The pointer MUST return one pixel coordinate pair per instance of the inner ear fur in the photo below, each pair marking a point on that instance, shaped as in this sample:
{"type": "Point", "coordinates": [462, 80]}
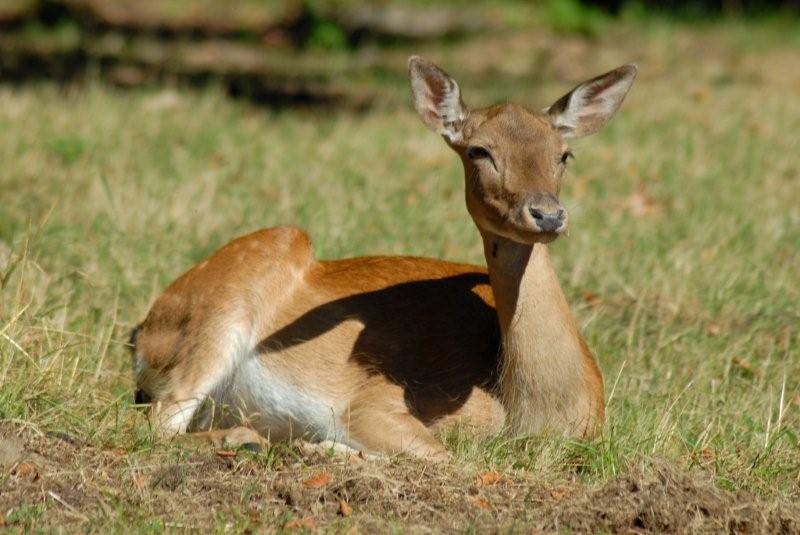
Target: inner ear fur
{"type": "Point", "coordinates": [437, 98]}
{"type": "Point", "coordinates": [589, 106]}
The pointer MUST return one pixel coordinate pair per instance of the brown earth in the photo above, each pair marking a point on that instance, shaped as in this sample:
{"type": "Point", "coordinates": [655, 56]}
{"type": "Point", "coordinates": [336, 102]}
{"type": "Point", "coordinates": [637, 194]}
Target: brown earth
{"type": "Point", "coordinates": [73, 482]}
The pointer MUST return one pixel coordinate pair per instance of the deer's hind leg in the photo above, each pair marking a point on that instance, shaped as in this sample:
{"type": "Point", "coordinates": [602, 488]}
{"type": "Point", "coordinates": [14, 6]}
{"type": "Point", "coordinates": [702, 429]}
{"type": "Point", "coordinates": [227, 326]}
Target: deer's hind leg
{"type": "Point", "coordinates": [178, 372]}
{"type": "Point", "coordinates": [188, 384]}
{"type": "Point", "coordinates": [206, 323]}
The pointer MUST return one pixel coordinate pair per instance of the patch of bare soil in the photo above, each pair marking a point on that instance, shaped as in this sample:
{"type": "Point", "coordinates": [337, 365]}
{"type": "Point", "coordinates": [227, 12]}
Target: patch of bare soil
{"type": "Point", "coordinates": [85, 487]}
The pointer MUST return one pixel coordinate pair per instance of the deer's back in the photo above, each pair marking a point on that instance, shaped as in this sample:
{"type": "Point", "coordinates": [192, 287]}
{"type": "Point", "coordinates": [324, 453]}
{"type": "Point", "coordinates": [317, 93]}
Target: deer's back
{"type": "Point", "coordinates": [331, 327]}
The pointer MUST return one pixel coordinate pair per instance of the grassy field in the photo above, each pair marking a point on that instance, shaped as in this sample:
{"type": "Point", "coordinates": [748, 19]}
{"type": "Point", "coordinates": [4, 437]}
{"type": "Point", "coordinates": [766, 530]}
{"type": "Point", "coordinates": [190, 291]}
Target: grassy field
{"type": "Point", "coordinates": [683, 268]}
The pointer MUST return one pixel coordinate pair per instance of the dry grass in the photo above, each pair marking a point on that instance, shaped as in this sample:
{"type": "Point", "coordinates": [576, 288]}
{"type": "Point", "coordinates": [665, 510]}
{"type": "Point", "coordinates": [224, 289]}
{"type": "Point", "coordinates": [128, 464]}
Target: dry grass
{"type": "Point", "coordinates": [682, 268]}
{"type": "Point", "coordinates": [99, 489]}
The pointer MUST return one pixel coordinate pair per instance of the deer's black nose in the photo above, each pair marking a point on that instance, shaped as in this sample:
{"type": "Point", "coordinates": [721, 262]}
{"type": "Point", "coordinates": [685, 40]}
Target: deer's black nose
{"type": "Point", "coordinates": [548, 221]}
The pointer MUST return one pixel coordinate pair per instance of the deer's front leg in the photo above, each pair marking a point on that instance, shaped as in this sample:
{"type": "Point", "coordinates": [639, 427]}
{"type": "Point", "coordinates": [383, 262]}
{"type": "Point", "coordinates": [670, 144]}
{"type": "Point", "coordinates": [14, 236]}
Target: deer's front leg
{"type": "Point", "coordinates": [172, 419]}
{"type": "Point", "coordinates": [379, 421]}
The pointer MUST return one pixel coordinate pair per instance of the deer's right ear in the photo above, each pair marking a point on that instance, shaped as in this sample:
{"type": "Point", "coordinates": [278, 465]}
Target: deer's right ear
{"type": "Point", "coordinates": [437, 98]}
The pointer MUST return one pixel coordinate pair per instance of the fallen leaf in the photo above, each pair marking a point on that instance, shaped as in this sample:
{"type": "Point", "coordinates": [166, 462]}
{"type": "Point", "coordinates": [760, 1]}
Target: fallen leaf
{"type": "Point", "coordinates": [640, 204]}
{"type": "Point", "coordinates": [708, 254]}
{"type": "Point", "coordinates": [744, 365]}
{"type": "Point", "coordinates": [559, 494]}
{"type": "Point", "coordinates": [487, 479]}
{"type": "Point", "coordinates": [796, 400]}
{"type": "Point", "coordinates": [299, 523]}
{"type": "Point", "coordinates": [225, 454]}
{"type": "Point", "coordinates": [319, 480]}
{"type": "Point", "coordinates": [713, 329]}
{"type": "Point", "coordinates": [27, 470]}
{"type": "Point", "coordinates": [755, 127]}
{"type": "Point", "coordinates": [591, 298]}
{"type": "Point", "coordinates": [217, 159]}
{"type": "Point", "coordinates": [12, 451]}
{"type": "Point", "coordinates": [701, 94]}
{"type": "Point", "coordinates": [345, 509]}
{"type": "Point", "coordinates": [479, 502]}
{"type": "Point", "coordinates": [2, 520]}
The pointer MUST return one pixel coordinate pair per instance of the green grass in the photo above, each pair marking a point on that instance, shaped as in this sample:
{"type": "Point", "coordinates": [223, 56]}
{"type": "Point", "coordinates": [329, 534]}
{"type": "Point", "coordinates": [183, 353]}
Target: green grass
{"type": "Point", "coordinates": [682, 267]}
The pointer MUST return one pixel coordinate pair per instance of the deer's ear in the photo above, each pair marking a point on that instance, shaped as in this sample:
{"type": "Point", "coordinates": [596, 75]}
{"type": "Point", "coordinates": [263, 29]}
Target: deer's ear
{"type": "Point", "coordinates": [437, 98]}
{"type": "Point", "coordinates": [587, 108]}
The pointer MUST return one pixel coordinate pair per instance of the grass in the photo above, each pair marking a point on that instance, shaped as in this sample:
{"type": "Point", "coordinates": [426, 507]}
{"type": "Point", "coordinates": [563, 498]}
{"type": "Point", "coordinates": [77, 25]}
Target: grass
{"type": "Point", "coordinates": [682, 267]}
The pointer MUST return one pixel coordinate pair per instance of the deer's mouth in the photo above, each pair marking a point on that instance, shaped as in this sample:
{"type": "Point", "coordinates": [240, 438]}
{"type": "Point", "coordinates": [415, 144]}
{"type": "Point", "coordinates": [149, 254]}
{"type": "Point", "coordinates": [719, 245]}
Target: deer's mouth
{"type": "Point", "coordinates": [528, 234]}
{"type": "Point", "coordinates": [541, 237]}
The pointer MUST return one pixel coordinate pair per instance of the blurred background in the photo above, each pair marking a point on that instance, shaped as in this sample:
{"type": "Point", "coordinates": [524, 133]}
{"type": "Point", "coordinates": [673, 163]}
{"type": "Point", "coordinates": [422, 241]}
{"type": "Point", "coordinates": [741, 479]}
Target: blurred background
{"type": "Point", "coordinates": [301, 52]}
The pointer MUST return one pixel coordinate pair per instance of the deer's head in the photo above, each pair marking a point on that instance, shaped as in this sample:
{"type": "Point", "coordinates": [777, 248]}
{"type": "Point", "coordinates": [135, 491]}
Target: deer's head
{"type": "Point", "coordinates": [514, 158]}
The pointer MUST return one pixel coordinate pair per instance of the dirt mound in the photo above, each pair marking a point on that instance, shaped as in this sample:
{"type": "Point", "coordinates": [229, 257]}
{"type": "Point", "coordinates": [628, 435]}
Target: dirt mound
{"type": "Point", "coordinates": [659, 498]}
{"type": "Point", "coordinates": [53, 479]}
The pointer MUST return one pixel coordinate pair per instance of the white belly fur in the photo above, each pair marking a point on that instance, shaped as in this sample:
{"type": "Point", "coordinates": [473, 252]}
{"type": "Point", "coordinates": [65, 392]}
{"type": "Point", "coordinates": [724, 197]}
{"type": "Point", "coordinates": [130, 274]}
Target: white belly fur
{"type": "Point", "coordinates": [277, 408]}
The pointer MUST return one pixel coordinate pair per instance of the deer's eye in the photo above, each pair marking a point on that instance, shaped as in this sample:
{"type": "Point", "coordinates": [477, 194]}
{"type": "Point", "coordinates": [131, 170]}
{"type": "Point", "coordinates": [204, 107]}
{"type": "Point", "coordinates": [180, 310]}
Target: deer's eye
{"type": "Point", "coordinates": [478, 153]}
{"type": "Point", "coordinates": [566, 156]}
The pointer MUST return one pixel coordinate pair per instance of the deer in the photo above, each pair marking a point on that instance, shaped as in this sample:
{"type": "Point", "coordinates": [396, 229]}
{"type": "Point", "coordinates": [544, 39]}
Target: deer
{"type": "Point", "coordinates": [262, 341]}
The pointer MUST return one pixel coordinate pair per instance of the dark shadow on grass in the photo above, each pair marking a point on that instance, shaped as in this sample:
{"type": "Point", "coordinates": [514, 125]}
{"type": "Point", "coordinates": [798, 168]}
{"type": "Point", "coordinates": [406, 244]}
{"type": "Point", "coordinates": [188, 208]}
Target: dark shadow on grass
{"type": "Point", "coordinates": [264, 89]}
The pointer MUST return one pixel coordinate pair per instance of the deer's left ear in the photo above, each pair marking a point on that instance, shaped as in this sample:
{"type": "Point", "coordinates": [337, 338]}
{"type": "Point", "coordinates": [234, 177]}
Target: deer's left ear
{"type": "Point", "coordinates": [587, 108]}
{"type": "Point", "coordinates": [437, 98]}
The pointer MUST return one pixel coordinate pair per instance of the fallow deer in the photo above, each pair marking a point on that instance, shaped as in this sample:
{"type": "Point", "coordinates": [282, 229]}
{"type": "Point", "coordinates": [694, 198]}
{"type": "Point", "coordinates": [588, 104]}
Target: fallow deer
{"type": "Point", "coordinates": [377, 353]}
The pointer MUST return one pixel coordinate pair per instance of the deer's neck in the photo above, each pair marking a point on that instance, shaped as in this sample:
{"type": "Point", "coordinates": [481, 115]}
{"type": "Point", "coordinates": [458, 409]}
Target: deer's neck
{"type": "Point", "coordinates": [549, 381]}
